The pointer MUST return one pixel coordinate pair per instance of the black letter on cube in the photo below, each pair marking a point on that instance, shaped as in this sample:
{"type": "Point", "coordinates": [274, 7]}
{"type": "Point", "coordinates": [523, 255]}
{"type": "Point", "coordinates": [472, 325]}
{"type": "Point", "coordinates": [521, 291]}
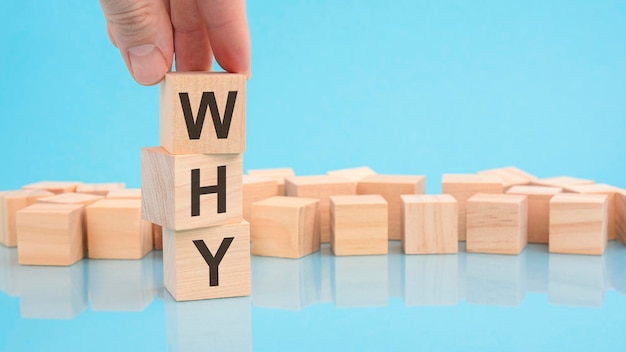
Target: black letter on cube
{"type": "Point", "coordinates": [213, 262]}
{"type": "Point", "coordinates": [197, 190]}
{"type": "Point", "coordinates": [222, 126]}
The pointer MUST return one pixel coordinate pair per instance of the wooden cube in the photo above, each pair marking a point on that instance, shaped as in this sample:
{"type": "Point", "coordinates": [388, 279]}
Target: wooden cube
{"type": "Point", "coordinates": [564, 182]}
{"type": "Point", "coordinates": [210, 262]}
{"type": "Point", "coordinates": [127, 193]}
{"type": "Point", "coordinates": [509, 176]}
{"type": "Point", "coordinates": [115, 230]}
{"type": "Point", "coordinates": [358, 225]}
{"type": "Point", "coordinates": [10, 203]}
{"type": "Point", "coordinates": [497, 223]}
{"type": "Point", "coordinates": [190, 191]}
{"type": "Point", "coordinates": [256, 189]}
{"type": "Point", "coordinates": [462, 187]}
{"type": "Point", "coordinates": [50, 234]}
{"type": "Point", "coordinates": [157, 236]}
{"type": "Point", "coordinates": [285, 227]}
{"type": "Point", "coordinates": [578, 223]}
{"type": "Point", "coordinates": [99, 189]}
{"type": "Point", "coordinates": [355, 174]}
{"type": "Point", "coordinates": [620, 215]}
{"type": "Point", "coordinates": [391, 187]}
{"type": "Point", "coordinates": [203, 113]}
{"type": "Point", "coordinates": [429, 224]}
{"type": "Point", "coordinates": [277, 174]}
{"type": "Point", "coordinates": [55, 187]}
{"type": "Point", "coordinates": [538, 209]}
{"type": "Point", "coordinates": [611, 192]}
{"type": "Point", "coordinates": [320, 187]}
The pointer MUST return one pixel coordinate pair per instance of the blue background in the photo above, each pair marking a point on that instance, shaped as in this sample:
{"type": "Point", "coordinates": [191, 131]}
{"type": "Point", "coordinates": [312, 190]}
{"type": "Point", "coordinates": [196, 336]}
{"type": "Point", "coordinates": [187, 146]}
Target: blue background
{"type": "Point", "coordinates": [403, 87]}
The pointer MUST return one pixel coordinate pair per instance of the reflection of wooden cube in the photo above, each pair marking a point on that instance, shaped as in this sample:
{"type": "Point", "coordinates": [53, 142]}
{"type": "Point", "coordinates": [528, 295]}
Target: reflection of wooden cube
{"type": "Point", "coordinates": [497, 223]}
{"type": "Point", "coordinates": [10, 203]}
{"type": "Point", "coordinates": [355, 174]}
{"type": "Point", "coordinates": [391, 187]}
{"type": "Point", "coordinates": [320, 187]}
{"type": "Point", "coordinates": [564, 182]}
{"type": "Point", "coordinates": [429, 224]}
{"type": "Point", "coordinates": [55, 187]}
{"type": "Point", "coordinates": [256, 189]}
{"type": "Point", "coordinates": [538, 209]}
{"type": "Point", "coordinates": [99, 189]}
{"type": "Point", "coordinates": [285, 227]}
{"type": "Point", "coordinates": [115, 230]}
{"type": "Point", "coordinates": [510, 176]}
{"type": "Point", "coordinates": [611, 192]}
{"type": "Point", "coordinates": [50, 234]}
{"type": "Point", "coordinates": [620, 215]}
{"type": "Point", "coordinates": [276, 174]}
{"type": "Point", "coordinates": [578, 223]}
{"type": "Point", "coordinates": [358, 225]}
{"type": "Point", "coordinates": [462, 187]}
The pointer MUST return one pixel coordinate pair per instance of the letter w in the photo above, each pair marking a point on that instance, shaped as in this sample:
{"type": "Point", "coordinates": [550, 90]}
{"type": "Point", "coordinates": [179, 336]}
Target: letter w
{"type": "Point", "coordinates": [194, 126]}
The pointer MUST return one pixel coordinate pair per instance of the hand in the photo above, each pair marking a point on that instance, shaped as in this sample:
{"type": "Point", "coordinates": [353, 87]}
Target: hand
{"type": "Point", "coordinates": [149, 32]}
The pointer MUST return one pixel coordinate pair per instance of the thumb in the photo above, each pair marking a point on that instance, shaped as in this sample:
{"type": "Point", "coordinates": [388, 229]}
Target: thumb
{"type": "Point", "coordinates": [142, 31]}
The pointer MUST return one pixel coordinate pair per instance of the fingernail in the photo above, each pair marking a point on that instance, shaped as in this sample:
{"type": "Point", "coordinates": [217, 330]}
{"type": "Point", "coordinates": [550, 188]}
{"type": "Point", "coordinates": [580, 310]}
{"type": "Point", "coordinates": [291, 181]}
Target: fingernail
{"type": "Point", "coordinates": [147, 63]}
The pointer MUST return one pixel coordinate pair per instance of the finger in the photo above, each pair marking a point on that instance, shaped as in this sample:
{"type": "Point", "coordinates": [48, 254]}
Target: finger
{"type": "Point", "coordinates": [227, 27]}
{"type": "Point", "coordinates": [191, 41]}
{"type": "Point", "coordinates": [142, 31]}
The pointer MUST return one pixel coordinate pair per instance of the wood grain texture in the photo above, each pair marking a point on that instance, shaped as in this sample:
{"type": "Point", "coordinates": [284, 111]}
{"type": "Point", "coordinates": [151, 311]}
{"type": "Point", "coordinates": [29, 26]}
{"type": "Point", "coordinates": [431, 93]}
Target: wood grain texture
{"type": "Point", "coordinates": [564, 182]}
{"type": "Point", "coordinates": [100, 189]}
{"type": "Point", "coordinates": [358, 225]}
{"type": "Point", "coordinates": [10, 203]}
{"type": "Point", "coordinates": [620, 215]}
{"type": "Point", "coordinates": [166, 188]}
{"type": "Point", "coordinates": [429, 224]}
{"type": "Point", "coordinates": [128, 193]}
{"type": "Point", "coordinates": [355, 174]}
{"type": "Point", "coordinates": [509, 176]}
{"type": "Point", "coordinates": [611, 192]}
{"type": "Point", "coordinates": [497, 223]}
{"type": "Point", "coordinates": [285, 227]}
{"type": "Point", "coordinates": [50, 234]}
{"type": "Point", "coordinates": [186, 273]}
{"type": "Point", "coordinates": [55, 187]}
{"type": "Point", "coordinates": [462, 187]}
{"type": "Point", "coordinates": [320, 187]}
{"type": "Point", "coordinates": [115, 230]}
{"type": "Point", "coordinates": [538, 210]}
{"type": "Point", "coordinates": [175, 137]}
{"type": "Point", "coordinates": [391, 187]}
{"type": "Point", "coordinates": [256, 189]}
{"type": "Point", "coordinates": [578, 223]}
{"type": "Point", "coordinates": [278, 174]}
{"type": "Point", "coordinates": [157, 237]}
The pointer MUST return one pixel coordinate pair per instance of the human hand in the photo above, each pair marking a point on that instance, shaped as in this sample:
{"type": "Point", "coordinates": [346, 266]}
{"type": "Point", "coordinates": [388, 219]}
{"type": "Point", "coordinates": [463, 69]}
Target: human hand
{"type": "Point", "coordinates": [149, 32]}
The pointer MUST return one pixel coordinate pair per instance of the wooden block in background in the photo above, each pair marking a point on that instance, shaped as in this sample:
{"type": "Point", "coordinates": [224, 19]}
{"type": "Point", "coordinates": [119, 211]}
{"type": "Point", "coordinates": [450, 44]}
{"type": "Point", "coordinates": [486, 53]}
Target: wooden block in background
{"type": "Point", "coordinates": [285, 227]}
{"type": "Point", "coordinates": [203, 113]}
{"type": "Point", "coordinates": [167, 189]}
{"type": "Point", "coordinates": [358, 225]}
{"type": "Point", "coordinates": [620, 215]}
{"type": "Point", "coordinates": [320, 187]}
{"type": "Point", "coordinates": [10, 203]}
{"type": "Point", "coordinates": [462, 187]}
{"type": "Point", "coordinates": [510, 176]}
{"type": "Point", "coordinates": [115, 230]}
{"type": "Point", "coordinates": [611, 192]}
{"type": "Point", "coordinates": [355, 174]}
{"type": "Point", "coordinates": [50, 234]}
{"type": "Point", "coordinates": [391, 187]}
{"type": "Point", "coordinates": [564, 182]}
{"type": "Point", "coordinates": [157, 237]}
{"type": "Point", "coordinates": [55, 187]}
{"type": "Point", "coordinates": [256, 189]}
{"type": "Point", "coordinates": [277, 174]}
{"type": "Point", "coordinates": [497, 223]}
{"type": "Point", "coordinates": [186, 273]}
{"type": "Point", "coordinates": [127, 193]}
{"type": "Point", "coordinates": [429, 224]}
{"type": "Point", "coordinates": [99, 189]}
{"type": "Point", "coordinates": [578, 223]}
{"type": "Point", "coordinates": [538, 209]}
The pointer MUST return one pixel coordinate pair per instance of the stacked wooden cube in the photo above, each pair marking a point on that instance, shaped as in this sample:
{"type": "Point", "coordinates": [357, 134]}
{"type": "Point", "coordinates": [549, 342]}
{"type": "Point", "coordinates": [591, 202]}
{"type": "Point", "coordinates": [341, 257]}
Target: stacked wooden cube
{"type": "Point", "coordinates": [192, 185]}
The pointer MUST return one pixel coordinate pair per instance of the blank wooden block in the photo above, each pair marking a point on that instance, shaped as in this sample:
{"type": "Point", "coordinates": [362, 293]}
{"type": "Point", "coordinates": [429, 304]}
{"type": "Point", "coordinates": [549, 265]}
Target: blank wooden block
{"type": "Point", "coordinates": [391, 187]}
{"type": "Point", "coordinates": [186, 274]}
{"type": "Point", "coordinates": [50, 234]}
{"type": "Point", "coordinates": [256, 189]}
{"type": "Point", "coordinates": [55, 187]}
{"type": "Point", "coordinates": [190, 191]}
{"type": "Point", "coordinates": [358, 225]}
{"type": "Point", "coordinates": [10, 203]}
{"type": "Point", "coordinates": [285, 227]}
{"type": "Point", "coordinates": [157, 236]}
{"type": "Point", "coordinates": [99, 189]}
{"type": "Point", "coordinates": [277, 174]}
{"type": "Point", "coordinates": [115, 230]}
{"type": "Point", "coordinates": [497, 223]}
{"type": "Point", "coordinates": [429, 224]}
{"type": "Point", "coordinates": [462, 187]}
{"type": "Point", "coordinates": [355, 174]}
{"type": "Point", "coordinates": [203, 113]}
{"type": "Point", "coordinates": [564, 182]}
{"type": "Point", "coordinates": [127, 193]}
{"type": "Point", "coordinates": [611, 192]}
{"type": "Point", "coordinates": [538, 209]}
{"type": "Point", "coordinates": [320, 187]}
{"type": "Point", "coordinates": [578, 223]}
{"type": "Point", "coordinates": [509, 176]}
{"type": "Point", "coordinates": [620, 216]}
